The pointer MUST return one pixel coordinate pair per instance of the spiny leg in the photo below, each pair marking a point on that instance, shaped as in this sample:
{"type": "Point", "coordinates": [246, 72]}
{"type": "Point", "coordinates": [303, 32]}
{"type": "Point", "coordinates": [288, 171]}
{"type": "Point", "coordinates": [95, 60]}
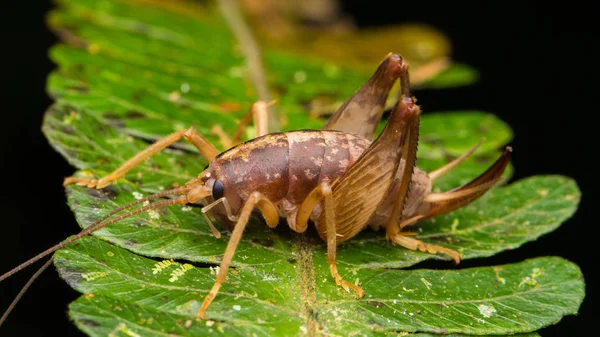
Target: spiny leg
{"type": "Point", "coordinates": [323, 193]}
{"type": "Point", "coordinates": [258, 114]}
{"type": "Point", "coordinates": [393, 227]}
{"type": "Point", "coordinates": [440, 203]}
{"type": "Point", "coordinates": [204, 146]}
{"type": "Point", "coordinates": [365, 185]}
{"type": "Point", "coordinates": [361, 113]}
{"type": "Point", "coordinates": [269, 211]}
{"type": "Point", "coordinates": [332, 244]}
{"type": "Point", "coordinates": [414, 244]}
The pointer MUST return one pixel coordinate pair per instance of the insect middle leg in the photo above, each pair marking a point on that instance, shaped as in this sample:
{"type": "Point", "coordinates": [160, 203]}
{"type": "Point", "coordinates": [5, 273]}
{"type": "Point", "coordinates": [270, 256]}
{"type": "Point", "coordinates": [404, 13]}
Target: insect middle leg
{"type": "Point", "coordinates": [258, 114]}
{"type": "Point", "coordinates": [323, 193]}
{"type": "Point", "coordinates": [271, 215]}
{"type": "Point", "coordinates": [191, 135]}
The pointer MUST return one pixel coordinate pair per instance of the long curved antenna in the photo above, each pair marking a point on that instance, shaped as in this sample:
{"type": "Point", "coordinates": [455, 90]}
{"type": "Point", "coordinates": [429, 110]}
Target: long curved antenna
{"type": "Point", "coordinates": [182, 200]}
{"type": "Point", "coordinates": [24, 290]}
{"type": "Point", "coordinates": [179, 190]}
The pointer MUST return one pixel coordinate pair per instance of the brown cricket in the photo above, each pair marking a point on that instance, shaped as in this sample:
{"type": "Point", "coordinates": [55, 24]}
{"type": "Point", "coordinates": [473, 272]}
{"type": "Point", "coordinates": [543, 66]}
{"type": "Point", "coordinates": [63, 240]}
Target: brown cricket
{"type": "Point", "coordinates": [337, 177]}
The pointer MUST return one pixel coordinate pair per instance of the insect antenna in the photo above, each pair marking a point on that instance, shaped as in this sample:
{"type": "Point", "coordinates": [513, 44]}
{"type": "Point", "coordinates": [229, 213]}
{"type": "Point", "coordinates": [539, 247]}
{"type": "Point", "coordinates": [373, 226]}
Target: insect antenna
{"type": "Point", "coordinates": [179, 190]}
{"type": "Point", "coordinates": [24, 290]}
{"type": "Point", "coordinates": [102, 222]}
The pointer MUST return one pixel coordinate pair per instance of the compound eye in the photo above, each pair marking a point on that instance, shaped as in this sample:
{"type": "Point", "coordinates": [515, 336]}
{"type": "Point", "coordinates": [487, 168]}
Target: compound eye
{"type": "Point", "coordinates": [217, 191]}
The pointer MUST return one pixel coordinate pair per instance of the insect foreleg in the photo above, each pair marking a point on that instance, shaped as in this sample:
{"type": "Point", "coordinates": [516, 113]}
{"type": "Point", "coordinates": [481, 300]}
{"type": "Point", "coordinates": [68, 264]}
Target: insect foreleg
{"type": "Point", "coordinates": [268, 210]}
{"type": "Point", "coordinates": [204, 146]}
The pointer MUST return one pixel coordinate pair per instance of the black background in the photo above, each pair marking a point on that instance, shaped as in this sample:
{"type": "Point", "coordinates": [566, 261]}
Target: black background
{"type": "Point", "coordinates": [537, 74]}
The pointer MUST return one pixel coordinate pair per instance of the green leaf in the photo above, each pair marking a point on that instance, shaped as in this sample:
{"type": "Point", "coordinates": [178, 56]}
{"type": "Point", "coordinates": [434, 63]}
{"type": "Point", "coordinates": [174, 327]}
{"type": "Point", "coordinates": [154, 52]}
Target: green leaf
{"type": "Point", "coordinates": [269, 299]}
{"type": "Point", "coordinates": [131, 73]}
{"type": "Point", "coordinates": [116, 47]}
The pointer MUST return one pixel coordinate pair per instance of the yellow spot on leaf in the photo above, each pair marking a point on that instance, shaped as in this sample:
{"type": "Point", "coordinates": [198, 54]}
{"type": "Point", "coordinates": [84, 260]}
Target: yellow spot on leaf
{"type": "Point", "coordinates": [153, 214]}
{"type": "Point", "coordinates": [111, 254]}
{"type": "Point", "coordinates": [174, 96]}
{"type": "Point", "coordinates": [454, 225]}
{"type": "Point", "coordinates": [543, 192]}
{"type": "Point", "coordinates": [70, 118]}
{"type": "Point", "coordinates": [93, 48]}
{"type": "Point", "coordinates": [160, 266]}
{"type": "Point", "coordinates": [94, 275]}
{"type": "Point", "coordinates": [300, 77]}
{"type": "Point", "coordinates": [175, 274]}
{"type": "Point", "coordinates": [214, 270]}
{"type": "Point", "coordinates": [122, 327]}
{"type": "Point", "coordinates": [531, 279]}
{"type": "Point", "coordinates": [426, 283]}
{"type": "Point", "coordinates": [500, 279]}
{"type": "Point", "coordinates": [486, 310]}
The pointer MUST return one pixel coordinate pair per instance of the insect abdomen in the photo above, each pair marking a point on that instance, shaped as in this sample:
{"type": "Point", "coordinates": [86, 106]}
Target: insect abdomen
{"type": "Point", "coordinates": [289, 164]}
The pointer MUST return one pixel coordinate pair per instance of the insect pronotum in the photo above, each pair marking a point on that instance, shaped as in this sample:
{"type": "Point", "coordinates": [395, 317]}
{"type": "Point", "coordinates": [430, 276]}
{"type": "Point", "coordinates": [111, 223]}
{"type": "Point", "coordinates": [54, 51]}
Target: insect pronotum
{"type": "Point", "coordinates": [337, 177]}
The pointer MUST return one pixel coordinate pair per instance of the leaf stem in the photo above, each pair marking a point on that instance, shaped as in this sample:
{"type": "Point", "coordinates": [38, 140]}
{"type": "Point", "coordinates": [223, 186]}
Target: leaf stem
{"type": "Point", "coordinates": [232, 14]}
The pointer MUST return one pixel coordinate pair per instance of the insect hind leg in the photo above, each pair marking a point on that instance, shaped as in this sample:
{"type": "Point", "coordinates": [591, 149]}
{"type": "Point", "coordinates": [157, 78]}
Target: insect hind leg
{"type": "Point", "coordinates": [403, 239]}
{"type": "Point", "coordinates": [440, 203]}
